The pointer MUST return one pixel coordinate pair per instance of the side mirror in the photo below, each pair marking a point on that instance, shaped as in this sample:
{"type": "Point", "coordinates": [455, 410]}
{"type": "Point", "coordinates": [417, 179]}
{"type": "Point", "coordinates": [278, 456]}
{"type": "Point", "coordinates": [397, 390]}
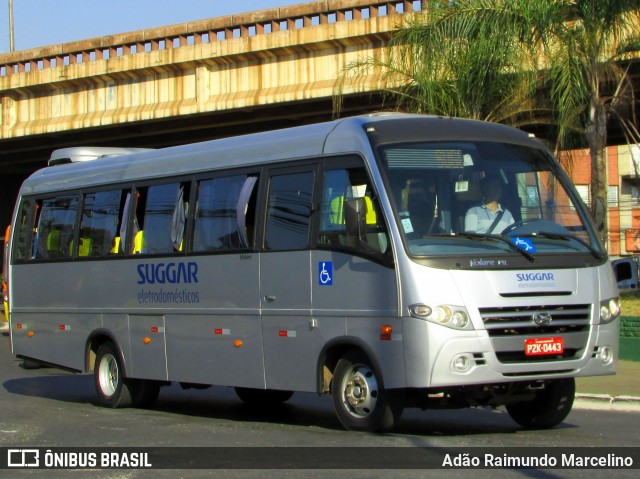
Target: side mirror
{"type": "Point", "coordinates": [355, 217]}
{"type": "Point", "coordinates": [599, 213]}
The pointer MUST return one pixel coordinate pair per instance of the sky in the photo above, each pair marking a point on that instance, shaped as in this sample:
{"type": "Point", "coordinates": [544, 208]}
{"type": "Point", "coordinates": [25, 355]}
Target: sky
{"type": "Point", "coordinates": [38, 23]}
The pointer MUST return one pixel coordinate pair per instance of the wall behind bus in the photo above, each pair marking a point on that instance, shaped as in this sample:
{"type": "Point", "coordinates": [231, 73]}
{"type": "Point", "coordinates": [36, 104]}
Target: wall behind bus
{"type": "Point", "coordinates": [623, 238]}
{"type": "Point", "coordinates": [630, 338]}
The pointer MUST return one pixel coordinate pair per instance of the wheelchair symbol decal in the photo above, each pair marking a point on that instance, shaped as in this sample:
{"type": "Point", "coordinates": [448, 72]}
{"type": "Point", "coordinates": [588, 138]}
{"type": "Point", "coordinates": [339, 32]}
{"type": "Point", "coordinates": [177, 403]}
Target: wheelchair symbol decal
{"type": "Point", "coordinates": [524, 243]}
{"type": "Point", "coordinates": [325, 273]}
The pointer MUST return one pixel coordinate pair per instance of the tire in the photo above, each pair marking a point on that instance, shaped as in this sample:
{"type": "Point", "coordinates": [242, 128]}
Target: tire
{"type": "Point", "coordinates": [263, 397]}
{"type": "Point", "coordinates": [30, 364]}
{"type": "Point", "coordinates": [359, 398]}
{"type": "Point", "coordinates": [549, 408]}
{"type": "Point", "coordinates": [114, 390]}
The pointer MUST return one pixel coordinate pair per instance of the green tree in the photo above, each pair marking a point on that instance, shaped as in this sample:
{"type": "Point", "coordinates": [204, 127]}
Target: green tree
{"type": "Point", "coordinates": [589, 48]}
{"type": "Point", "coordinates": [561, 63]}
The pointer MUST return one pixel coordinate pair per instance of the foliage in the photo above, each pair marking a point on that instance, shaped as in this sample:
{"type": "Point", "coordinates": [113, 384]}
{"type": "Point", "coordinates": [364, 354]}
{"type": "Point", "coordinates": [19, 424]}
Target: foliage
{"type": "Point", "coordinates": [630, 301]}
{"type": "Point", "coordinates": [591, 43]}
{"type": "Point", "coordinates": [560, 63]}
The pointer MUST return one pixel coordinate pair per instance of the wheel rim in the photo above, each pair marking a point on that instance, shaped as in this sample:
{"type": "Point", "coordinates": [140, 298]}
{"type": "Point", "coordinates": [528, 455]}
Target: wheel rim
{"type": "Point", "coordinates": [109, 375]}
{"type": "Point", "coordinates": [360, 391]}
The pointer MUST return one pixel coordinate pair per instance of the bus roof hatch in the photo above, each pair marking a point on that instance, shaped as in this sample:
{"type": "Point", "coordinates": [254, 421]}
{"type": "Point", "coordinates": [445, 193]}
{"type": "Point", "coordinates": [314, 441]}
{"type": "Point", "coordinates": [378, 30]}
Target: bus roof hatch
{"type": "Point", "coordinates": [78, 154]}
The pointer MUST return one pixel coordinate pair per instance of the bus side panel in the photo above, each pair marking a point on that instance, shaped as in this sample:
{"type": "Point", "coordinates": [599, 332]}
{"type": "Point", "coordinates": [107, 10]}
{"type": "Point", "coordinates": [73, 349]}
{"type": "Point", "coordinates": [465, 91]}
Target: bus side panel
{"type": "Point", "coordinates": [216, 338]}
{"type": "Point", "coordinates": [218, 347]}
{"type": "Point", "coordinates": [148, 349]}
{"type": "Point", "coordinates": [314, 296]}
{"type": "Point", "coordinates": [366, 295]}
{"type": "Point", "coordinates": [56, 338]}
{"type": "Point", "coordinates": [47, 323]}
{"type": "Point", "coordinates": [85, 286]}
{"type": "Point", "coordinates": [290, 343]}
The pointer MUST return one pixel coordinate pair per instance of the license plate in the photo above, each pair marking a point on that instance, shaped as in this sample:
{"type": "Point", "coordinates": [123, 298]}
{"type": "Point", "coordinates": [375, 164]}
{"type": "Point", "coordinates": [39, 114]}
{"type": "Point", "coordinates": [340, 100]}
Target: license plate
{"type": "Point", "coordinates": [541, 346]}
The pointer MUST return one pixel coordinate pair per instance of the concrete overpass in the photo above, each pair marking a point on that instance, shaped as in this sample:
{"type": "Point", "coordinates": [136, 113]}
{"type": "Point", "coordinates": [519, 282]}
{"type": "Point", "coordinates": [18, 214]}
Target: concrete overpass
{"type": "Point", "coordinates": [188, 82]}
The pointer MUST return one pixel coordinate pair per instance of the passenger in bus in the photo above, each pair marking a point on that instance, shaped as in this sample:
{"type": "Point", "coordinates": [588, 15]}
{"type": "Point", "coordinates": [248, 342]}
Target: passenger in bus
{"type": "Point", "coordinates": [489, 217]}
{"type": "Point", "coordinates": [418, 203]}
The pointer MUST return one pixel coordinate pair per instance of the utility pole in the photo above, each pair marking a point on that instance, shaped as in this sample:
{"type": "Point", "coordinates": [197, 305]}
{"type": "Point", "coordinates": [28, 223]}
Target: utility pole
{"type": "Point", "coordinates": [12, 45]}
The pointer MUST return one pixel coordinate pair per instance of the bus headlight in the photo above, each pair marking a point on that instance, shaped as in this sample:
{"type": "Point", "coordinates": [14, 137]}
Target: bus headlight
{"type": "Point", "coordinates": [442, 314]}
{"type": "Point", "coordinates": [454, 317]}
{"type": "Point", "coordinates": [609, 310]}
{"type": "Point", "coordinates": [420, 311]}
{"type": "Point", "coordinates": [459, 320]}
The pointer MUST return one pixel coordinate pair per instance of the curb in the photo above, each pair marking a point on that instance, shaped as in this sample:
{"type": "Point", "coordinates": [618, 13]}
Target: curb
{"type": "Point", "coordinates": [607, 402]}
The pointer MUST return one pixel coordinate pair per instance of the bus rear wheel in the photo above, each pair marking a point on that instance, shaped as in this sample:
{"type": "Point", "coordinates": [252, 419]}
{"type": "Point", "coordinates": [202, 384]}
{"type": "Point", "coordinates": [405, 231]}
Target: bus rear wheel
{"type": "Point", "coordinates": [359, 398]}
{"type": "Point", "coordinates": [113, 388]}
{"type": "Point", "coordinates": [550, 406]}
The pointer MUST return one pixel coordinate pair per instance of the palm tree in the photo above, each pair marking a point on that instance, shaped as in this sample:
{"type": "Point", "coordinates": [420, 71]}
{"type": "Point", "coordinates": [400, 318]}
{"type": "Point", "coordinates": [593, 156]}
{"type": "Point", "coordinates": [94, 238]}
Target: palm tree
{"type": "Point", "coordinates": [437, 64]}
{"type": "Point", "coordinates": [491, 59]}
{"type": "Point", "coordinates": [590, 47]}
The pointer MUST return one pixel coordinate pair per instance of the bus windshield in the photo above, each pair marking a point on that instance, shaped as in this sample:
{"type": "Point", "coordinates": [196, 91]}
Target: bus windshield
{"type": "Point", "coordinates": [456, 198]}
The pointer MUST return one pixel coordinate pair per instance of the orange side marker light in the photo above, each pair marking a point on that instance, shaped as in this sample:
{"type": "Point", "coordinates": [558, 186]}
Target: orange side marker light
{"type": "Point", "coordinates": [385, 332]}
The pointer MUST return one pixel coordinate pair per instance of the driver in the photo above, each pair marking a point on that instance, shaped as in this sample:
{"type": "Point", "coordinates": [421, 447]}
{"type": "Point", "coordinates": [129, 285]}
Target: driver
{"type": "Point", "coordinates": [489, 217]}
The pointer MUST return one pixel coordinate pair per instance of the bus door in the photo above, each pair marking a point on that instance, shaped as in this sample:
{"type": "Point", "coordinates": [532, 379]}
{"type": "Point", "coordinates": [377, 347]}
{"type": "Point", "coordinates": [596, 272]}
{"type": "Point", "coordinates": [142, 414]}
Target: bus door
{"type": "Point", "coordinates": [354, 289]}
{"type": "Point", "coordinates": [285, 287]}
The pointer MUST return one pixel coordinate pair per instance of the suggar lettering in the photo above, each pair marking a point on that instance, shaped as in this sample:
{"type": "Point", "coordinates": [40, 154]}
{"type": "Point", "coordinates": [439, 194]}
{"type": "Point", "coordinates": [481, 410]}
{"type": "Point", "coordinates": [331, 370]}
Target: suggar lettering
{"type": "Point", "coordinates": [168, 273]}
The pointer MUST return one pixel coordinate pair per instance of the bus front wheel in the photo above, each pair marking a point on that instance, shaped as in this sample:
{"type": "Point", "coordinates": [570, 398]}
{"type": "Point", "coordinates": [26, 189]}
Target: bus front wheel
{"type": "Point", "coordinates": [550, 406]}
{"type": "Point", "coordinates": [113, 389]}
{"type": "Point", "coordinates": [359, 398]}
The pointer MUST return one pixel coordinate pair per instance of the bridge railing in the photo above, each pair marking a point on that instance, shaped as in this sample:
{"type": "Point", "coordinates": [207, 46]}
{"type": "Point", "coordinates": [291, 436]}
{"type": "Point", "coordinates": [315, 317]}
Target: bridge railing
{"type": "Point", "coordinates": [250, 24]}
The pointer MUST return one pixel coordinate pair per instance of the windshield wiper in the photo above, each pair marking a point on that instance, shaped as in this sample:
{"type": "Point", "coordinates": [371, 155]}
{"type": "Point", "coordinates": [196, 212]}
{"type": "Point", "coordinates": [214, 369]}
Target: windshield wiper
{"type": "Point", "coordinates": [566, 237]}
{"type": "Point", "coordinates": [481, 236]}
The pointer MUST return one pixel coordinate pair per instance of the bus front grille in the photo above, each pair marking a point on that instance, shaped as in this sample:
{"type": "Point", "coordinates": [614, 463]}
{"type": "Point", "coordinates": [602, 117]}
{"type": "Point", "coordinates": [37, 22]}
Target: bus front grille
{"type": "Point", "coordinates": [509, 327]}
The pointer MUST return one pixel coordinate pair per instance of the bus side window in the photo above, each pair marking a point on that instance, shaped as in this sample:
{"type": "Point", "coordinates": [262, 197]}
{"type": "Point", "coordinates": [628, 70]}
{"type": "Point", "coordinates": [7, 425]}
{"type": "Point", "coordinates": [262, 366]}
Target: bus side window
{"type": "Point", "coordinates": [160, 229]}
{"type": "Point", "coordinates": [224, 218]}
{"type": "Point", "coordinates": [139, 197]}
{"type": "Point", "coordinates": [99, 222]}
{"type": "Point", "coordinates": [340, 186]}
{"type": "Point", "coordinates": [289, 209]}
{"type": "Point", "coordinates": [56, 227]}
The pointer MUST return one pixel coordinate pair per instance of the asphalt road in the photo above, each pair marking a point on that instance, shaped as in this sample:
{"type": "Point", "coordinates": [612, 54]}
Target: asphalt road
{"type": "Point", "coordinates": [48, 408]}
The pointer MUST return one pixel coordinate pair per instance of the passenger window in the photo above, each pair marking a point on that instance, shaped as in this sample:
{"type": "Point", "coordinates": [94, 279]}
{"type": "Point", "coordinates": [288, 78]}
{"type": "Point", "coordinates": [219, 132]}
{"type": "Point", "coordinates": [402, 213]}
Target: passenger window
{"type": "Point", "coordinates": [25, 225]}
{"type": "Point", "coordinates": [160, 220]}
{"type": "Point", "coordinates": [54, 237]}
{"type": "Point", "coordinates": [225, 213]}
{"type": "Point", "coordinates": [99, 235]}
{"type": "Point", "coordinates": [340, 186]}
{"type": "Point", "coordinates": [289, 211]}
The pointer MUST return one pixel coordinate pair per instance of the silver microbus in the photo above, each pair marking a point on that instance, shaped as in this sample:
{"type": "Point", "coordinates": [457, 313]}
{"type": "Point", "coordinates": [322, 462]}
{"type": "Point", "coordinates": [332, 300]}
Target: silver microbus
{"type": "Point", "coordinates": [388, 260]}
